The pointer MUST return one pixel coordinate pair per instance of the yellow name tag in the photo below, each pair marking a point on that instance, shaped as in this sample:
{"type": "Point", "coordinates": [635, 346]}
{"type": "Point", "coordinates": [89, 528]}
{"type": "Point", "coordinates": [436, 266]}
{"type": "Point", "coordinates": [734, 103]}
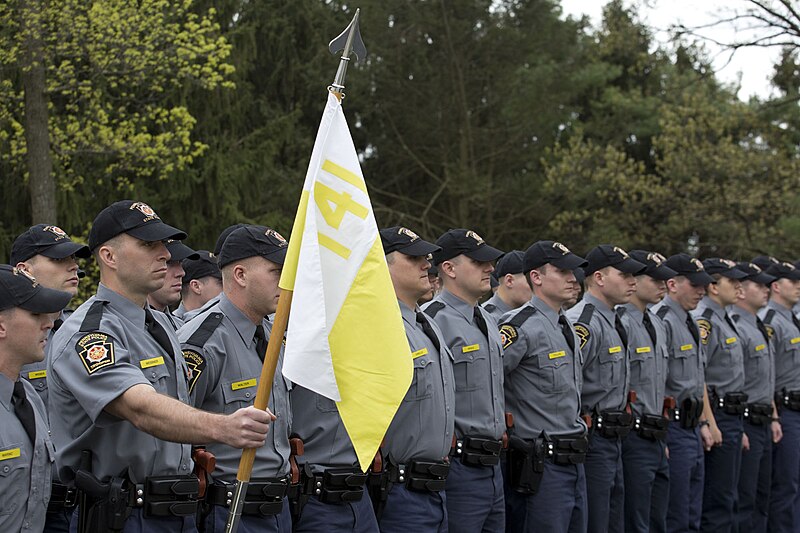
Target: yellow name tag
{"type": "Point", "coordinates": [154, 361]}
{"type": "Point", "coordinates": [471, 348]}
{"type": "Point", "coordinates": [643, 349]}
{"type": "Point", "coordinates": [686, 347]}
{"type": "Point", "coordinates": [556, 355]}
{"type": "Point", "coordinates": [38, 374]}
{"type": "Point", "coordinates": [760, 347]}
{"type": "Point", "coordinates": [615, 349]}
{"type": "Point", "coordinates": [730, 340]}
{"type": "Point", "coordinates": [243, 384]}
{"type": "Point", "coordinates": [9, 454]}
{"type": "Point", "coordinates": [419, 353]}
{"type": "Point", "coordinates": [795, 340]}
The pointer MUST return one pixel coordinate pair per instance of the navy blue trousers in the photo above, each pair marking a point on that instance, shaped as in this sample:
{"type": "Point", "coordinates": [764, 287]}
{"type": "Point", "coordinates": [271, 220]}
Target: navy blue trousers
{"type": "Point", "coordinates": [755, 477]}
{"type": "Point", "coordinates": [559, 506]}
{"type": "Point", "coordinates": [409, 511]}
{"type": "Point", "coordinates": [475, 500]}
{"type": "Point", "coordinates": [58, 521]}
{"type": "Point", "coordinates": [358, 517]}
{"type": "Point", "coordinates": [686, 473]}
{"type": "Point", "coordinates": [604, 484]}
{"type": "Point", "coordinates": [783, 517]}
{"type": "Point", "coordinates": [720, 489]}
{"type": "Point", "coordinates": [279, 523]}
{"type": "Point", "coordinates": [646, 471]}
{"type": "Point", "coordinates": [137, 523]}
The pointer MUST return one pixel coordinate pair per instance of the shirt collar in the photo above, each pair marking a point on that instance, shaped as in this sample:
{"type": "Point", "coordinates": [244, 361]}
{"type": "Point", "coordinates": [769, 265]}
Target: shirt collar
{"type": "Point", "coordinates": [244, 326]}
{"type": "Point", "coordinates": [6, 391]}
{"type": "Point", "coordinates": [121, 305]}
{"type": "Point", "coordinates": [600, 306]}
{"type": "Point", "coordinates": [714, 306]}
{"type": "Point", "coordinates": [745, 315]}
{"type": "Point", "coordinates": [633, 311]}
{"type": "Point", "coordinates": [787, 313]}
{"type": "Point", "coordinates": [409, 315]}
{"type": "Point", "coordinates": [498, 303]}
{"type": "Point", "coordinates": [457, 303]}
{"type": "Point", "coordinates": [676, 307]}
{"type": "Point", "coordinates": [545, 309]}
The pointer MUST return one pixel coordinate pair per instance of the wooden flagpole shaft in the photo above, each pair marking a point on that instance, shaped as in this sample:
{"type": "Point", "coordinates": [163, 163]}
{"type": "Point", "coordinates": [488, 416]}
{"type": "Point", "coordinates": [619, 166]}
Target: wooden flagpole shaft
{"type": "Point", "coordinates": [261, 402]}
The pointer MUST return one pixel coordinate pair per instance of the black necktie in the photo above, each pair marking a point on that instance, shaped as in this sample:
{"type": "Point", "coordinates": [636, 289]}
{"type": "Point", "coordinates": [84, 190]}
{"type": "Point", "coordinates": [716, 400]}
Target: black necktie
{"type": "Point", "coordinates": [730, 323]}
{"type": "Point", "coordinates": [261, 342]}
{"type": "Point", "coordinates": [623, 335]}
{"type": "Point", "coordinates": [480, 322]}
{"type": "Point", "coordinates": [426, 327]}
{"type": "Point", "coordinates": [158, 332]}
{"type": "Point", "coordinates": [763, 329]}
{"type": "Point", "coordinates": [648, 325]}
{"type": "Point", "coordinates": [57, 324]}
{"type": "Point", "coordinates": [692, 328]}
{"type": "Point", "coordinates": [796, 322]}
{"type": "Point", "coordinates": [24, 411]}
{"type": "Point", "coordinates": [567, 331]}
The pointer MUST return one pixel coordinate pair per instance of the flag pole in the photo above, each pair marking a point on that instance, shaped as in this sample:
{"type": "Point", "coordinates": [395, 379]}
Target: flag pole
{"type": "Point", "coordinates": [349, 43]}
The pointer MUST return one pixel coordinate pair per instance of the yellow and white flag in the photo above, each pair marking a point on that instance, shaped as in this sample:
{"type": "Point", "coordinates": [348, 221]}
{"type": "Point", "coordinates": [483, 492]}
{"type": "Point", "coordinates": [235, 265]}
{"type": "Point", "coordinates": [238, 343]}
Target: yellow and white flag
{"type": "Point", "coordinates": [345, 337]}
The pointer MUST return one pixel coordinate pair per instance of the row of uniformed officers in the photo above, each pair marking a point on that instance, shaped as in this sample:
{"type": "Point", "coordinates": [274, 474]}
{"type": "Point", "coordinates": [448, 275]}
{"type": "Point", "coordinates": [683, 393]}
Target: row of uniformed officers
{"type": "Point", "coordinates": [666, 399]}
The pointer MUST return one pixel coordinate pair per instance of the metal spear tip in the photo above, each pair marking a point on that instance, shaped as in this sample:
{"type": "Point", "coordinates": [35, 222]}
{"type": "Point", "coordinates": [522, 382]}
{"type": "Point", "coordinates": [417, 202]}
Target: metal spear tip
{"type": "Point", "coordinates": [349, 41]}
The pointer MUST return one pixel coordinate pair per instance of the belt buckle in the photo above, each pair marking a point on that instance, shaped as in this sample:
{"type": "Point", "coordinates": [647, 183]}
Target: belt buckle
{"type": "Point", "coordinates": [70, 498]}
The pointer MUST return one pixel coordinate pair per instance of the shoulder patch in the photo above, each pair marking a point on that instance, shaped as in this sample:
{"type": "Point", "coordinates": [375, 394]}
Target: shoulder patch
{"type": "Point", "coordinates": [583, 334]}
{"type": "Point", "coordinates": [508, 335]}
{"type": "Point", "coordinates": [96, 351]}
{"type": "Point", "coordinates": [770, 330]}
{"type": "Point", "coordinates": [705, 329]}
{"type": "Point", "coordinates": [662, 312]}
{"type": "Point", "coordinates": [195, 364]}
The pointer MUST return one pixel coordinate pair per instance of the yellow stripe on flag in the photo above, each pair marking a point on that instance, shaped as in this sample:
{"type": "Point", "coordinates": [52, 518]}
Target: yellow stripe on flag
{"type": "Point", "coordinates": [289, 271]}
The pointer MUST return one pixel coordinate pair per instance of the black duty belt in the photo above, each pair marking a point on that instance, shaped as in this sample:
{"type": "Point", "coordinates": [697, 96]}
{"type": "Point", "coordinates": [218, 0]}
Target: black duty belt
{"type": "Point", "coordinates": [478, 451]}
{"type": "Point", "coordinates": [688, 415]}
{"type": "Point", "coordinates": [652, 427]}
{"type": "Point", "coordinates": [61, 497]}
{"type": "Point", "coordinates": [788, 399]}
{"type": "Point", "coordinates": [732, 403]}
{"type": "Point", "coordinates": [264, 496]}
{"type": "Point", "coordinates": [336, 485]}
{"type": "Point", "coordinates": [420, 475]}
{"type": "Point", "coordinates": [167, 496]}
{"type": "Point", "coordinates": [613, 424]}
{"type": "Point", "coordinates": [567, 450]}
{"type": "Point", "coordinates": [758, 414]}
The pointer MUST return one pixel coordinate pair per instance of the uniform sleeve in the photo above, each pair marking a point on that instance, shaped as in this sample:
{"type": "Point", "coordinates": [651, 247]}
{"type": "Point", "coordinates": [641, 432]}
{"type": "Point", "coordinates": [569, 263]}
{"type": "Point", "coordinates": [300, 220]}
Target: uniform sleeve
{"type": "Point", "coordinates": [515, 346]}
{"type": "Point", "coordinates": [588, 341]}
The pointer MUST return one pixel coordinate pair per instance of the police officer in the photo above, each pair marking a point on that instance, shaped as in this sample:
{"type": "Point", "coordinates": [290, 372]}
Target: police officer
{"type": "Point", "coordinates": [224, 347]}
{"type": "Point", "coordinates": [686, 438]}
{"type": "Point", "coordinates": [544, 476]}
{"type": "Point", "coordinates": [47, 252]}
{"type": "Point", "coordinates": [610, 281]}
{"type": "Point", "coordinates": [474, 489]}
{"type": "Point", "coordinates": [724, 373]}
{"type": "Point", "coordinates": [759, 372]}
{"type": "Point", "coordinates": [202, 281]}
{"type": "Point", "coordinates": [170, 293]}
{"type": "Point", "coordinates": [119, 391]}
{"type": "Point", "coordinates": [419, 438]}
{"type": "Point", "coordinates": [784, 329]}
{"type": "Point", "coordinates": [512, 291]}
{"type": "Point", "coordinates": [27, 310]}
{"type": "Point", "coordinates": [433, 277]}
{"type": "Point", "coordinates": [644, 457]}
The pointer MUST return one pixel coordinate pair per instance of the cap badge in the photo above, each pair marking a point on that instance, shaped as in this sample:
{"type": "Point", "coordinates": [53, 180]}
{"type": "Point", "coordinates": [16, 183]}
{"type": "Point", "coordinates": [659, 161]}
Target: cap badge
{"type": "Point", "coordinates": [696, 262]}
{"type": "Point", "coordinates": [277, 236]}
{"type": "Point", "coordinates": [408, 233]}
{"type": "Point", "coordinates": [475, 236]}
{"type": "Point", "coordinates": [145, 209]}
{"type": "Point", "coordinates": [55, 230]}
{"type": "Point", "coordinates": [23, 272]}
{"type": "Point", "coordinates": [656, 258]}
{"type": "Point", "coordinates": [620, 251]}
{"type": "Point", "coordinates": [788, 265]}
{"type": "Point", "coordinates": [563, 249]}
{"type": "Point", "coordinates": [755, 267]}
{"type": "Point", "coordinates": [728, 262]}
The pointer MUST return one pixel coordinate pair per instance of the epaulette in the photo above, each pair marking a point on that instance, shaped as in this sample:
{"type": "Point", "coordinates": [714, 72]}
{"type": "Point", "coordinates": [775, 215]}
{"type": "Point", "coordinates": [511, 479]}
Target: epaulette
{"type": "Point", "coordinates": [707, 314]}
{"type": "Point", "coordinates": [91, 322]}
{"type": "Point", "coordinates": [195, 362]}
{"type": "Point", "coordinates": [508, 330]}
{"type": "Point", "coordinates": [433, 309]}
{"type": "Point", "coordinates": [520, 318]}
{"type": "Point", "coordinates": [662, 312]}
{"type": "Point", "coordinates": [490, 308]}
{"type": "Point", "coordinates": [206, 329]}
{"type": "Point", "coordinates": [769, 316]}
{"type": "Point", "coordinates": [736, 318]}
{"type": "Point", "coordinates": [586, 314]}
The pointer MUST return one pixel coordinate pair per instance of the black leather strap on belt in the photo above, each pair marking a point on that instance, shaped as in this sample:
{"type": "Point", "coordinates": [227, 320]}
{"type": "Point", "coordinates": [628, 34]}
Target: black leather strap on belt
{"type": "Point", "coordinates": [264, 497]}
{"type": "Point", "coordinates": [567, 450]}
{"type": "Point", "coordinates": [420, 475]}
{"type": "Point", "coordinates": [652, 427]}
{"type": "Point", "coordinates": [733, 403]}
{"type": "Point", "coordinates": [167, 496]}
{"type": "Point", "coordinates": [613, 424]}
{"type": "Point", "coordinates": [61, 497]}
{"type": "Point", "coordinates": [478, 451]}
{"type": "Point", "coordinates": [336, 485]}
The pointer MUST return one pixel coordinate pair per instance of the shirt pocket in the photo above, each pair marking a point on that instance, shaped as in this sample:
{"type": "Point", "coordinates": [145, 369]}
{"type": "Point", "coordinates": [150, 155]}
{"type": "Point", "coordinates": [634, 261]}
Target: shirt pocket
{"type": "Point", "coordinates": [325, 405]}
{"type": "Point", "coordinates": [156, 371]}
{"type": "Point", "coordinates": [792, 349]}
{"type": "Point", "coordinates": [239, 393]}
{"type": "Point", "coordinates": [422, 384]}
{"type": "Point", "coordinates": [553, 369]}
{"type": "Point", "coordinates": [14, 469]}
{"type": "Point", "coordinates": [470, 368]}
{"type": "Point", "coordinates": [611, 361]}
{"type": "Point", "coordinates": [642, 364]}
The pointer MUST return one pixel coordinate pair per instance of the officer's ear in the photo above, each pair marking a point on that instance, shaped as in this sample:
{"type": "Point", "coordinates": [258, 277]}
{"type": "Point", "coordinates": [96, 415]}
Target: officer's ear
{"type": "Point", "coordinates": [239, 275]}
{"type": "Point", "coordinates": [5, 318]}
{"type": "Point", "coordinates": [195, 287]}
{"type": "Point", "coordinates": [448, 268]}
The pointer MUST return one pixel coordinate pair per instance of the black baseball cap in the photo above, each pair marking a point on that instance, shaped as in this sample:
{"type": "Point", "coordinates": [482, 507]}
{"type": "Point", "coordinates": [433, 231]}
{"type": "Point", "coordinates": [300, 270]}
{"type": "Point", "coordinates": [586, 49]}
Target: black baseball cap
{"type": "Point", "coordinates": [755, 273]}
{"type": "Point", "coordinates": [764, 261]}
{"type": "Point", "coordinates": [608, 255]}
{"type": "Point", "coordinates": [723, 267]}
{"type": "Point", "coordinates": [137, 219]}
{"type": "Point", "coordinates": [689, 267]}
{"type": "Point", "coordinates": [459, 241]}
{"type": "Point", "coordinates": [433, 271]}
{"type": "Point", "coordinates": [47, 240]}
{"type": "Point", "coordinates": [405, 241]}
{"type": "Point", "coordinates": [205, 264]}
{"type": "Point", "coordinates": [511, 263]}
{"type": "Point", "coordinates": [252, 241]}
{"type": "Point", "coordinates": [224, 235]}
{"type": "Point", "coordinates": [18, 288]}
{"type": "Point", "coordinates": [783, 270]}
{"type": "Point", "coordinates": [551, 252]}
{"type": "Point", "coordinates": [654, 263]}
{"type": "Point", "coordinates": [179, 251]}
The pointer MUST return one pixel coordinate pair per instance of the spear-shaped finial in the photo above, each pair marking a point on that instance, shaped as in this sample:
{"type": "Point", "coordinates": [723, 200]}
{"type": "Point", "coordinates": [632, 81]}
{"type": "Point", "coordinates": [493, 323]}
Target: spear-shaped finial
{"type": "Point", "coordinates": [348, 42]}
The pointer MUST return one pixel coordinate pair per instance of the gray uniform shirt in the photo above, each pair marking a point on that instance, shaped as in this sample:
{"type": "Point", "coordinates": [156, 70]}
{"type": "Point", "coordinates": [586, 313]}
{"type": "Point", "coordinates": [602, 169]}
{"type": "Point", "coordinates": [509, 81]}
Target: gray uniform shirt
{"type": "Point", "coordinates": [422, 428]}
{"type": "Point", "coordinates": [316, 420]}
{"type": "Point", "coordinates": [786, 341]}
{"type": "Point", "coordinates": [649, 361]}
{"type": "Point", "coordinates": [685, 378]}
{"type": "Point", "coordinates": [759, 356]}
{"type": "Point", "coordinates": [496, 307]}
{"type": "Point", "coordinates": [25, 468]}
{"type": "Point", "coordinates": [722, 346]}
{"type": "Point", "coordinates": [89, 369]}
{"type": "Point", "coordinates": [543, 374]}
{"type": "Point", "coordinates": [477, 366]}
{"type": "Point", "coordinates": [36, 373]}
{"type": "Point", "coordinates": [605, 368]}
{"type": "Point", "coordinates": [227, 378]}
